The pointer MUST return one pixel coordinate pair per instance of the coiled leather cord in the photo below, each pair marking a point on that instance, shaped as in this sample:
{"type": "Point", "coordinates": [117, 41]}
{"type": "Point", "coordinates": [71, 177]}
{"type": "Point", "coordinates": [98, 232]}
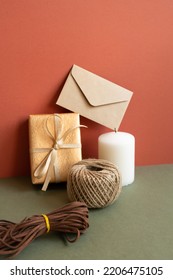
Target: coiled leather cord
{"type": "Point", "coordinates": [69, 219]}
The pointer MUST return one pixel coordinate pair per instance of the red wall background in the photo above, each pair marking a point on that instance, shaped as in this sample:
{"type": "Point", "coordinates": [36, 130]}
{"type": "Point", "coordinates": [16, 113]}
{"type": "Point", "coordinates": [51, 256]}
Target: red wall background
{"type": "Point", "coordinates": [126, 41]}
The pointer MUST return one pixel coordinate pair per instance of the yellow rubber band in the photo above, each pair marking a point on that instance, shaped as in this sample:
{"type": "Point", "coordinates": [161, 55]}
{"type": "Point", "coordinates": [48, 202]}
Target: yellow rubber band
{"type": "Point", "coordinates": [47, 222]}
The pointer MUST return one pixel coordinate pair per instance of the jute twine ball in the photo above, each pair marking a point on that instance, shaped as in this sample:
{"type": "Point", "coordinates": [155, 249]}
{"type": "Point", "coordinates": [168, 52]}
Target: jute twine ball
{"type": "Point", "coordinates": [95, 182]}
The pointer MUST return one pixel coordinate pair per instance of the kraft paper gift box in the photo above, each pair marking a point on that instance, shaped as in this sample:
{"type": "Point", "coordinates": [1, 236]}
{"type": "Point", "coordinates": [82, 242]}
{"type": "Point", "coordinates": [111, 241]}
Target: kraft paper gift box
{"type": "Point", "coordinates": [94, 97]}
{"type": "Point", "coordinates": [55, 145]}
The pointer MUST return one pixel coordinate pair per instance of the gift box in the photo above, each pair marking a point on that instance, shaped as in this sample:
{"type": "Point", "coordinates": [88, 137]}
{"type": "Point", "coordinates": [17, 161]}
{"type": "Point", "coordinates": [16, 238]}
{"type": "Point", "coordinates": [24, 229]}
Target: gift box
{"type": "Point", "coordinates": [55, 145]}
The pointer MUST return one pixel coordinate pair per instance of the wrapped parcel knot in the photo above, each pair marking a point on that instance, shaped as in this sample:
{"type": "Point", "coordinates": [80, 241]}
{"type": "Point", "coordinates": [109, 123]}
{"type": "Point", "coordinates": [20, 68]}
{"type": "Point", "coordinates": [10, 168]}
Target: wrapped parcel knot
{"type": "Point", "coordinates": [56, 146]}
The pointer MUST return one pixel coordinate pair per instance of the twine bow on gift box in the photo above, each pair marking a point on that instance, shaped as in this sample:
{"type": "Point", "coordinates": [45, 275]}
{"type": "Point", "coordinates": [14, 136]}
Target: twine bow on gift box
{"type": "Point", "coordinates": [50, 162]}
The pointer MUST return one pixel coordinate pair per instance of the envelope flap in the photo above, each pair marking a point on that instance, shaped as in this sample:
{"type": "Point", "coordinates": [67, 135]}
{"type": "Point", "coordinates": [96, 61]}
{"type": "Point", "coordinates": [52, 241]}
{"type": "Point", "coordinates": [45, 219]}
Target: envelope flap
{"type": "Point", "coordinates": [97, 90]}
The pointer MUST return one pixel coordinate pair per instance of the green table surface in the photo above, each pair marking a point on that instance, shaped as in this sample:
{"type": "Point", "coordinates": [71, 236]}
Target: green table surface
{"type": "Point", "coordinates": [139, 225]}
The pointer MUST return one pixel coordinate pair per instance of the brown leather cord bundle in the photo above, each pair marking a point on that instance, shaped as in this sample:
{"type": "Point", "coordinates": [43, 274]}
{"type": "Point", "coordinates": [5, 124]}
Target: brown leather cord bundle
{"type": "Point", "coordinates": [69, 219]}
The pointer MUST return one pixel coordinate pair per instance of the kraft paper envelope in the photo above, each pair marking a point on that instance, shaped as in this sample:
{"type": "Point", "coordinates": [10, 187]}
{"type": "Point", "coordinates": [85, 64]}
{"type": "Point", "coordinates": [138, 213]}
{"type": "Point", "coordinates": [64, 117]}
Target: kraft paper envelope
{"type": "Point", "coordinates": [94, 97]}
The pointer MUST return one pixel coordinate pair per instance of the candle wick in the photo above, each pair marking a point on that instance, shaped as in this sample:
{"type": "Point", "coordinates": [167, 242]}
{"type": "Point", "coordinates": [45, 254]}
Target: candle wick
{"type": "Point", "coordinates": [116, 130]}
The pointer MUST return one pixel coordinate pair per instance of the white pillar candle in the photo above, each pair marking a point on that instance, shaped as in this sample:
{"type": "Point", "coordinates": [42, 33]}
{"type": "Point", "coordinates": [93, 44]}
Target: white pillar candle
{"type": "Point", "coordinates": [119, 148]}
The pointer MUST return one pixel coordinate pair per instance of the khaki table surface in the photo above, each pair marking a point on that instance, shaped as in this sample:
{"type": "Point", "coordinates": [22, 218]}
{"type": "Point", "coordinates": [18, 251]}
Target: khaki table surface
{"type": "Point", "coordinates": [139, 225]}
